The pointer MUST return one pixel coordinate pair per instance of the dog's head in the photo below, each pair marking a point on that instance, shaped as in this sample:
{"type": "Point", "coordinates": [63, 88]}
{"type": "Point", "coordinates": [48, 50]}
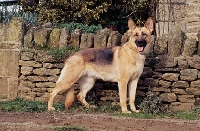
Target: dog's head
{"type": "Point", "coordinates": [141, 36]}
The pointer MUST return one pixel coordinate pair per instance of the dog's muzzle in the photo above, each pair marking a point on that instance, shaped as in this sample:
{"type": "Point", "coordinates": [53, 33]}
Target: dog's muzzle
{"type": "Point", "coordinates": [141, 44]}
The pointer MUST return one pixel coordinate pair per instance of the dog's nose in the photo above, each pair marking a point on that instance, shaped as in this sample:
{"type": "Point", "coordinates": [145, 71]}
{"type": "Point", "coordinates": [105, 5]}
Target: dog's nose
{"type": "Point", "coordinates": [140, 42]}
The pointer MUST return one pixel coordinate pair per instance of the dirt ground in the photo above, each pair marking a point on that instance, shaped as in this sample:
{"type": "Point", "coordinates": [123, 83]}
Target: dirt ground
{"type": "Point", "coordinates": [26, 121]}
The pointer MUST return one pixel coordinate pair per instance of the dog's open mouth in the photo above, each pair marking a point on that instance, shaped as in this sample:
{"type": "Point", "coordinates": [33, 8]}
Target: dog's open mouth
{"type": "Point", "coordinates": [141, 44]}
{"type": "Point", "coordinates": [140, 48]}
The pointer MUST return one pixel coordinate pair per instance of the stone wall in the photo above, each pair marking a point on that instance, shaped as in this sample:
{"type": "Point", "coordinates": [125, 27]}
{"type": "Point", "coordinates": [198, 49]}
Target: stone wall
{"type": "Point", "coordinates": [10, 47]}
{"type": "Point", "coordinates": [181, 13]}
{"type": "Point", "coordinates": [172, 70]}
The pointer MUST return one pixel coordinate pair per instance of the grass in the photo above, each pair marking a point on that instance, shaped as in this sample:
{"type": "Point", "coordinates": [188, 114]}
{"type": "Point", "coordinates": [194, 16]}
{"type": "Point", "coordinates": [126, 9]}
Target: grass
{"type": "Point", "coordinates": [63, 52]}
{"type": "Point", "coordinates": [70, 128]}
{"type": "Point", "coordinates": [20, 105]}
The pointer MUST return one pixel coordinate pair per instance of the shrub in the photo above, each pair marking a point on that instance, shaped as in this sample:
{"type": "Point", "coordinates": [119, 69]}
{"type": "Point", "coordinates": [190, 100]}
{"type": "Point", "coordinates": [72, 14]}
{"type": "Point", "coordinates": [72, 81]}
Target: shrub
{"type": "Point", "coordinates": [85, 28]}
{"type": "Point", "coordinates": [59, 11]}
{"type": "Point", "coordinates": [7, 12]}
{"type": "Point", "coordinates": [151, 104]}
{"type": "Point", "coordinates": [90, 11]}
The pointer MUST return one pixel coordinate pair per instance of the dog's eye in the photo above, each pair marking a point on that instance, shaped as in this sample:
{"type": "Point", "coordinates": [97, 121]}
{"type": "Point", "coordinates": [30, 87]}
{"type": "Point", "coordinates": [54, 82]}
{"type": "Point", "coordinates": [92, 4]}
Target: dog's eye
{"type": "Point", "coordinates": [143, 34]}
{"type": "Point", "coordinates": [136, 34]}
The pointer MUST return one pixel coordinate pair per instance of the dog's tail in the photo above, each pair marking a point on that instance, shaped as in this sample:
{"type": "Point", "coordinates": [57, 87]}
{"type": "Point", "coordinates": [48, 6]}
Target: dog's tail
{"type": "Point", "coordinates": [69, 97]}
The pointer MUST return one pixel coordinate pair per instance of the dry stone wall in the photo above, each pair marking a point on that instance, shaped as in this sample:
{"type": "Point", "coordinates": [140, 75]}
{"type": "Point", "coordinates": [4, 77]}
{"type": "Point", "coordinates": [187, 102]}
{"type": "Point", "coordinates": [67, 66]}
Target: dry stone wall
{"type": "Point", "coordinates": [172, 69]}
{"type": "Point", "coordinates": [181, 13]}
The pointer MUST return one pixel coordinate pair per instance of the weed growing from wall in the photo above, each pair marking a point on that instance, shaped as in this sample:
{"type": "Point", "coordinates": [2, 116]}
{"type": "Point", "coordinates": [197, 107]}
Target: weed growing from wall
{"type": "Point", "coordinates": [62, 53]}
{"type": "Point", "coordinates": [151, 104]}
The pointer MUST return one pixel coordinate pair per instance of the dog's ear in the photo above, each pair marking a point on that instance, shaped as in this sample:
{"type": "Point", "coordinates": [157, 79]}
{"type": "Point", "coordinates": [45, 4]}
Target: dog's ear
{"type": "Point", "coordinates": [149, 24]}
{"type": "Point", "coordinates": [131, 24]}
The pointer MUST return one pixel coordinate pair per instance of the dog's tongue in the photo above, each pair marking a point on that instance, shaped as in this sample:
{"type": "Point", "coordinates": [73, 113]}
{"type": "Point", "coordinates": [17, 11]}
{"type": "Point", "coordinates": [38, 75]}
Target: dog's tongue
{"type": "Point", "coordinates": [140, 49]}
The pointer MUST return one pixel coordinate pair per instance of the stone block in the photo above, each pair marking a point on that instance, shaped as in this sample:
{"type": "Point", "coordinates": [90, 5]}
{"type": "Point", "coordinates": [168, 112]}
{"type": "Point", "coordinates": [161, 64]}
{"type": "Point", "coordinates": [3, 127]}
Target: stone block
{"type": "Point", "coordinates": [114, 39]}
{"type": "Point", "coordinates": [194, 61]}
{"type": "Point", "coordinates": [182, 62]}
{"type": "Point", "coordinates": [193, 91]}
{"type": "Point", "coordinates": [150, 82]}
{"type": "Point", "coordinates": [164, 61]}
{"type": "Point", "coordinates": [179, 91]}
{"type": "Point", "coordinates": [27, 56]}
{"type": "Point", "coordinates": [41, 37]}
{"type": "Point", "coordinates": [30, 63]}
{"type": "Point", "coordinates": [87, 41]}
{"type": "Point", "coordinates": [64, 38]}
{"type": "Point", "coordinates": [161, 89]}
{"type": "Point", "coordinates": [101, 38]}
{"type": "Point", "coordinates": [168, 97]}
{"type": "Point", "coordinates": [28, 40]}
{"type": "Point", "coordinates": [190, 47]}
{"type": "Point", "coordinates": [54, 38]}
{"type": "Point", "coordinates": [157, 75]}
{"type": "Point", "coordinates": [13, 87]}
{"type": "Point", "coordinates": [178, 106]}
{"type": "Point", "coordinates": [35, 78]}
{"type": "Point", "coordinates": [26, 70]}
{"type": "Point", "coordinates": [8, 59]}
{"type": "Point", "coordinates": [160, 47]}
{"type": "Point", "coordinates": [45, 84]}
{"type": "Point", "coordinates": [46, 25]}
{"type": "Point", "coordinates": [26, 84]}
{"type": "Point", "coordinates": [76, 37]}
{"type": "Point", "coordinates": [16, 31]}
{"type": "Point", "coordinates": [164, 84]}
{"type": "Point", "coordinates": [11, 45]}
{"type": "Point", "coordinates": [195, 84]}
{"type": "Point", "coordinates": [186, 98]}
{"type": "Point", "coordinates": [45, 72]}
{"type": "Point", "coordinates": [42, 57]}
{"type": "Point", "coordinates": [188, 74]}
{"type": "Point", "coordinates": [124, 38]}
{"type": "Point", "coordinates": [180, 84]}
{"type": "Point", "coordinates": [147, 72]}
{"type": "Point", "coordinates": [4, 90]}
{"type": "Point", "coordinates": [170, 76]}
{"type": "Point", "coordinates": [175, 42]}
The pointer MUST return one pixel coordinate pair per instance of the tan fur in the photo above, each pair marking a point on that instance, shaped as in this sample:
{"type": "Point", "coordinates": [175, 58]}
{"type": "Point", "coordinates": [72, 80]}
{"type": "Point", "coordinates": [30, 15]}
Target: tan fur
{"type": "Point", "coordinates": [117, 64]}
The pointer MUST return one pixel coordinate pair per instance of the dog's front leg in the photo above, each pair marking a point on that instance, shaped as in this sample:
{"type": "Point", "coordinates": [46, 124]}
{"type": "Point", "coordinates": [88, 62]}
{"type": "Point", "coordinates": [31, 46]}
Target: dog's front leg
{"type": "Point", "coordinates": [122, 85]}
{"type": "Point", "coordinates": [132, 94]}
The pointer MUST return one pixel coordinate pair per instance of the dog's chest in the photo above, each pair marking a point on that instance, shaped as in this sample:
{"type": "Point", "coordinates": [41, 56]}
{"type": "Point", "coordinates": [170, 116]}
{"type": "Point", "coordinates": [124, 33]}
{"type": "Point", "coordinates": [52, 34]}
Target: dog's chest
{"type": "Point", "coordinates": [137, 71]}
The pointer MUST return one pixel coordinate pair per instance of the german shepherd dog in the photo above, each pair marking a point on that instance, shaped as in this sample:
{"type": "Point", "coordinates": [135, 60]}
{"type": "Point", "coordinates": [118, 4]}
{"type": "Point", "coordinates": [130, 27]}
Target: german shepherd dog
{"type": "Point", "coordinates": [116, 64]}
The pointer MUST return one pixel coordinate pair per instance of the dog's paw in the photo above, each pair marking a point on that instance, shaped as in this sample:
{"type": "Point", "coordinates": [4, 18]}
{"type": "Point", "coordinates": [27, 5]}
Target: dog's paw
{"type": "Point", "coordinates": [136, 111]}
{"type": "Point", "coordinates": [51, 108]}
{"type": "Point", "coordinates": [126, 112]}
{"type": "Point", "coordinates": [93, 106]}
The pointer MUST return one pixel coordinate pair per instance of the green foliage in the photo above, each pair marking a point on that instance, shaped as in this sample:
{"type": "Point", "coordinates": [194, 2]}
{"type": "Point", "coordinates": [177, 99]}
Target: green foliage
{"type": "Point", "coordinates": [151, 104]}
{"type": "Point", "coordinates": [196, 111]}
{"type": "Point", "coordinates": [21, 105]}
{"type": "Point", "coordinates": [62, 53]}
{"type": "Point", "coordinates": [85, 28]}
{"type": "Point", "coordinates": [7, 13]}
{"type": "Point", "coordinates": [90, 11]}
{"type": "Point", "coordinates": [59, 11]}
{"type": "Point", "coordinates": [70, 128]}
{"type": "Point", "coordinates": [151, 59]}
{"type": "Point", "coordinates": [136, 115]}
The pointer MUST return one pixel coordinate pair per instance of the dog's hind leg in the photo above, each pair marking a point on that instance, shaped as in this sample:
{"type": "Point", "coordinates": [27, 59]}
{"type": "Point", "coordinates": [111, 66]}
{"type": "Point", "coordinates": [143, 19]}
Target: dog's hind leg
{"type": "Point", "coordinates": [86, 83]}
{"type": "Point", "coordinates": [69, 75]}
{"type": "Point", "coordinates": [61, 86]}
{"type": "Point", "coordinates": [132, 94]}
